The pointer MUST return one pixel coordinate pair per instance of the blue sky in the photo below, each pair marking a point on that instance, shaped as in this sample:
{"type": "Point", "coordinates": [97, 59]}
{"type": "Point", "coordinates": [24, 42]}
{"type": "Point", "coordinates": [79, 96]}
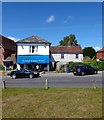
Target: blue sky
{"type": "Point", "coordinates": [53, 21]}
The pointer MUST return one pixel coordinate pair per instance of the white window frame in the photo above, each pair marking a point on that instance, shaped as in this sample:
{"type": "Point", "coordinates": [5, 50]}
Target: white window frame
{"type": "Point", "coordinates": [33, 48]}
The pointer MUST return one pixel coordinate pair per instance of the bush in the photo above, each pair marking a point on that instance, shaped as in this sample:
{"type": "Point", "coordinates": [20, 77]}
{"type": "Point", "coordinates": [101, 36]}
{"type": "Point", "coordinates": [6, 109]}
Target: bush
{"type": "Point", "coordinates": [62, 69]}
{"type": "Point", "coordinates": [1, 67]}
{"type": "Point", "coordinates": [72, 64]}
{"type": "Point", "coordinates": [99, 65]}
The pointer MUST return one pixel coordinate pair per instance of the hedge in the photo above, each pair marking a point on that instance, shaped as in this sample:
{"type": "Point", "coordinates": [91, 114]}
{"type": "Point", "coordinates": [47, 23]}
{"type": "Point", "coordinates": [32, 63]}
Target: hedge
{"type": "Point", "coordinates": [99, 65]}
{"type": "Point", "coordinates": [1, 67]}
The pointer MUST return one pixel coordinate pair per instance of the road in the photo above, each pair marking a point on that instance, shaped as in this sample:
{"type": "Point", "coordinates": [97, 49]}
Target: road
{"type": "Point", "coordinates": [55, 80]}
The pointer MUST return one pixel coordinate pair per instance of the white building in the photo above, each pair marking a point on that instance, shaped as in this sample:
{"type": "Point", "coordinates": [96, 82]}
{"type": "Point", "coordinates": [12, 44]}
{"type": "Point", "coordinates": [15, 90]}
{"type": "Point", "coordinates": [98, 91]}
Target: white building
{"type": "Point", "coordinates": [63, 54]}
{"type": "Point", "coordinates": [33, 51]}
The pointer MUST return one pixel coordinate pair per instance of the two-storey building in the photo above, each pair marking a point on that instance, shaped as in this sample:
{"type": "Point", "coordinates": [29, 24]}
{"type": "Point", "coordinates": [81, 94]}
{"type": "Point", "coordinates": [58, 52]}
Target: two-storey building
{"type": "Point", "coordinates": [7, 52]}
{"type": "Point", "coordinates": [100, 54]}
{"type": "Point", "coordinates": [33, 53]}
{"type": "Point", "coordinates": [63, 54]}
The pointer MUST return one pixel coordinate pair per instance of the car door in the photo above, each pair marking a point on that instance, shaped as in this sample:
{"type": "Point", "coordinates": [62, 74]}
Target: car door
{"type": "Point", "coordinates": [90, 70]}
{"type": "Point", "coordinates": [19, 73]}
{"type": "Point", "coordinates": [26, 73]}
{"type": "Point", "coordinates": [86, 70]}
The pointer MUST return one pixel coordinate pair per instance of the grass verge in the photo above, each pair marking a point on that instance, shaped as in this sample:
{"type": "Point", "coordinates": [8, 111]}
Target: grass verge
{"type": "Point", "coordinates": [52, 103]}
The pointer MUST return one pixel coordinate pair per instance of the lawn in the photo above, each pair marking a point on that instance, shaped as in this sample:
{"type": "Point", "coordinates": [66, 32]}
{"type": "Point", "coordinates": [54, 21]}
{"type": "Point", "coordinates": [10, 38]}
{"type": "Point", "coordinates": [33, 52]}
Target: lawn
{"type": "Point", "coordinates": [52, 103]}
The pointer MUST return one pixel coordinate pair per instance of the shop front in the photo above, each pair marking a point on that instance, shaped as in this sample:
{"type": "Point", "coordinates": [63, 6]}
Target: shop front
{"type": "Point", "coordinates": [35, 62]}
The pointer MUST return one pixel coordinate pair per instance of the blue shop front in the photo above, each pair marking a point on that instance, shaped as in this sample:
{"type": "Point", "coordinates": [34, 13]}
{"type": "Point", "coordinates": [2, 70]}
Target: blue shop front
{"type": "Point", "coordinates": [36, 62]}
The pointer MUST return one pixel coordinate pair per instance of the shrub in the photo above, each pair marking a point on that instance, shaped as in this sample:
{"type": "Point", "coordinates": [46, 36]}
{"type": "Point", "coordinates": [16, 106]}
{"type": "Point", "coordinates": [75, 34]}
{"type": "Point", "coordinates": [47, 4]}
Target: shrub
{"type": "Point", "coordinates": [99, 65]}
{"type": "Point", "coordinates": [72, 64]}
{"type": "Point", "coordinates": [1, 67]}
{"type": "Point", "coordinates": [62, 68]}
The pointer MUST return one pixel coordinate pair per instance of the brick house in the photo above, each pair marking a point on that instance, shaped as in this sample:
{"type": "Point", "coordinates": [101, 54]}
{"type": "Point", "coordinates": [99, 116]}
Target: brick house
{"type": "Point", "coordinates": [100, 54]}
{"type": "Point", "coordinates": [63, 54]}
{"type": "Point", "coordinates": [7, 52]}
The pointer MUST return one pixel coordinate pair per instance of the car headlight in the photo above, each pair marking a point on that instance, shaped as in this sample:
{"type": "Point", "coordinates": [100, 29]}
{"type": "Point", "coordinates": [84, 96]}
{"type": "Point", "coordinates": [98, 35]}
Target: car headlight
{"type": "Point", "coordinates": [35, 73]}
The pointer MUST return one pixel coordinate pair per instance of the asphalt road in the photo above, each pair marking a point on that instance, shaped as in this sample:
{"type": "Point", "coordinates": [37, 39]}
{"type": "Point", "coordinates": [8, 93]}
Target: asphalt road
{"type": "Point", "coordinates": [56, 80]}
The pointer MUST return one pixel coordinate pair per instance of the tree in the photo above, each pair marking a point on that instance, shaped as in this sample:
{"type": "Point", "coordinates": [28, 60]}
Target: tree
{"type": "Point", "coordinates": [69, 41]}
{"type": "Point", "coordinates": [64, 42]}
{"type": "Point", "coordinates": [89, 51]}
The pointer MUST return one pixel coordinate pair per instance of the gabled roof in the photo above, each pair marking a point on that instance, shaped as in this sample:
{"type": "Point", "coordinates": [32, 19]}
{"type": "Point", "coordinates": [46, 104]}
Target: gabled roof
{"type": "Point", "coordinates": [101, 50]}
{"type": "Point", "coordinates": [7, 43]}
{"type": "Point", "coordinates": [33, 39]}
{"type": "Point", "coordinates": [66, 49]}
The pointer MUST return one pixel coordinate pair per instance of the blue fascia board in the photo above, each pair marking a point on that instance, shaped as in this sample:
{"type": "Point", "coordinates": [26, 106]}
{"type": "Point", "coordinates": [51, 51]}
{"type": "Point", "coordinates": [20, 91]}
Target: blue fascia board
{"type": "Point", "coordinates": [30, 59]}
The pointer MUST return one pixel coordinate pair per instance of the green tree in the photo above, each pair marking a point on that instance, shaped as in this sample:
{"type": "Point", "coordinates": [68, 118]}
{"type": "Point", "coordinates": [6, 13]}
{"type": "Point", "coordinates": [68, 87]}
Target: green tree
{"type": "Point", "coordinates": [89, 51]}
{"type": "Point", "coordinates": [64, 42]}
{"type": "Point", "coordinates": [69, 41]}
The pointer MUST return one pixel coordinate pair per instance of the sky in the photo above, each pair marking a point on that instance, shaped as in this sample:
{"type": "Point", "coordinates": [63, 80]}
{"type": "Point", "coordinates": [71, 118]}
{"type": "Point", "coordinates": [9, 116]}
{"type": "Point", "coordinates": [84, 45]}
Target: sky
{"type": "Point", "coordinates": [53, 21]}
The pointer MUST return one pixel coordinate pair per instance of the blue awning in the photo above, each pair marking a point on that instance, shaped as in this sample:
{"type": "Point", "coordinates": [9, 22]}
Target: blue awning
{"type": "Point", "coordinates": [30, 59]}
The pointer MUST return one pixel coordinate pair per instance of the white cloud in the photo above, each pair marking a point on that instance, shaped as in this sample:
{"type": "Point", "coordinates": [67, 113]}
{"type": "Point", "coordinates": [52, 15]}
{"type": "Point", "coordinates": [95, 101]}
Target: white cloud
{"type": "Point", "coordinates": [50, 19]}
{"type": "Point", "coordinates": [13, 38]}
{"type": "Point", "coordinates": [67, 19]}
{"type": "Point", "coordinates": [97, 48]}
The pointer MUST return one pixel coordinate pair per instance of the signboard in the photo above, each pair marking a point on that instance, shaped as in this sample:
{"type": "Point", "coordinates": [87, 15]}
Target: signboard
{"type": "Point", "coordinates": [36, 59]}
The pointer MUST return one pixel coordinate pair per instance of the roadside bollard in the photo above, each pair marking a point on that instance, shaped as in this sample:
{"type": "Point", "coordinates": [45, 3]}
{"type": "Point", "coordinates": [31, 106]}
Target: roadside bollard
{"type": "Point", "coordinates": [94, 84]}
{"type": "Point", "coordinates": [47, 84]}
{"type": "Point", "coordinates": [4, 85]}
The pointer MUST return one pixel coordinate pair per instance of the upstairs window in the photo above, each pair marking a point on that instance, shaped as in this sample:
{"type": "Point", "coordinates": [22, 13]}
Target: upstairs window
{"type": "Point", "coordinates": [62, 55]}
{"type": "Point", "coordinates": [22, 47]}
{"type": "Point", "coordinates": [33, 48]}
{"type": "Point", "coordinates": [30, 49]}
{"type": "Point", "coordinates": [76, 56]}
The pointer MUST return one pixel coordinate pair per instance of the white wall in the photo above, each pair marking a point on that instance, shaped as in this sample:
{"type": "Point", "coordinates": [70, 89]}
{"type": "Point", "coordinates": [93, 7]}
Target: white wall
{"type": "Point", "coordinates": [23, 49]}
{"type": "Point", "coordinates": [67, 58]}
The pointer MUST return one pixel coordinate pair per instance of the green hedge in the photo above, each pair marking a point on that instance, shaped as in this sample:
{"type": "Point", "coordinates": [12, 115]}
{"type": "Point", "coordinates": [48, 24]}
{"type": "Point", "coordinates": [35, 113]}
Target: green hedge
{"type": "Point", "coordinates": [99, 65]}
{"type": "Point", "coordinates": [1, 67]}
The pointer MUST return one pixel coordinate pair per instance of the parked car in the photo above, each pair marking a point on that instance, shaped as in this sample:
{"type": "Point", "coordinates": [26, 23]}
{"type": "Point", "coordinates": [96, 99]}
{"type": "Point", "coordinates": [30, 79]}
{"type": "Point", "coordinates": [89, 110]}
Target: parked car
{"type": "Point", "coordinates": [24, 73]}
{"type": "Point", "coordinates": [84, 70]}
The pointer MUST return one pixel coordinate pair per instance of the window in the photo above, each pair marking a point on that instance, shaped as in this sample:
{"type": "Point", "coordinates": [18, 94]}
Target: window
{"type": "Point", "coordinates": [62, 55]}
{"type": "Point", "coordinates": [22, 47]}
{"type": "Point", "coordinates": [36, 48]}
{"type": "Point", "coordinates": [30, 49]}
{"type": "Point", "coordinates": [33, 48]}
{"type": "Point", "coordinates": [76, 55]}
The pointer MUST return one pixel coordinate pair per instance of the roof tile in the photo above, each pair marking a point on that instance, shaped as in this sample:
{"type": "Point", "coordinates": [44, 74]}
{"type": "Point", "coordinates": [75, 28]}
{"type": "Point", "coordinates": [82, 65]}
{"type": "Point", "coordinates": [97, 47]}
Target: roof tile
{"type": "Point", "coordinates": [101, 50]}
{"type": "Point", "coordinates": [66, 49]}
{"type": "Point", "coordinates": [33, 39]}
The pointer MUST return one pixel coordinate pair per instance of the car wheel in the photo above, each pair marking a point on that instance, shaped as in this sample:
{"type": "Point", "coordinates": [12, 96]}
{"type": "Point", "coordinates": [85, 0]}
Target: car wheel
{"type": "Point", "coordinates": [82, 73]}
{"type": "Point", "coordinates": [31, 76]}
{"type": "Point", "coordinates": [14, 76]}
{"type": "Point", "coordinates": [96, 72]}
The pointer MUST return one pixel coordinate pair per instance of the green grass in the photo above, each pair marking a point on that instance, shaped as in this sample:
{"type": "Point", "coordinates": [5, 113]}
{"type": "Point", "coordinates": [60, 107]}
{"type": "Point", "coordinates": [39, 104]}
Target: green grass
{"type": "Point", "coordinates": [52, 103]}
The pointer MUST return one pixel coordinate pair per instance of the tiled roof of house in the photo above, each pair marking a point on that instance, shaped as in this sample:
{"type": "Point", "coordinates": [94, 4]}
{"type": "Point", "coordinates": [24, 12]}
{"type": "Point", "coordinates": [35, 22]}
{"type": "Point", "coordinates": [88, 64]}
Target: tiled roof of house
{"type": "Point", "coordinates": [7, 43]}
{"type": "Point", "coordinates": [33, 39]}
{"type": "Point", "coordinates": [66, 49]}
{"type": "Point", "coordinates": [101, 50]}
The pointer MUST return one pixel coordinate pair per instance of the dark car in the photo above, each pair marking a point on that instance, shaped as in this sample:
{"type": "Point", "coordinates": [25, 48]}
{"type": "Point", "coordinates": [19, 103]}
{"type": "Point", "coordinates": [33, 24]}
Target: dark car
{"type": "Point", "coordinates": [84, 70]}
{"type": "Point", "coordinates": [24, 73]}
